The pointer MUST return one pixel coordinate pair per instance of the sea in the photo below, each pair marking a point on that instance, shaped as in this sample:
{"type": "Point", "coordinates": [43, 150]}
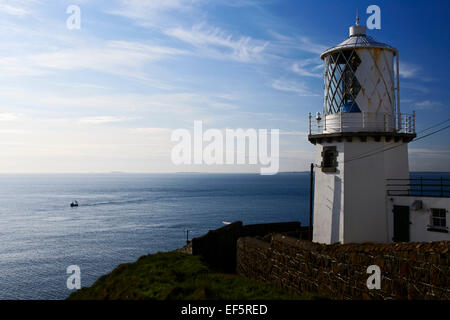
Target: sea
{"type": "Point", "coordinates": [121, 217]}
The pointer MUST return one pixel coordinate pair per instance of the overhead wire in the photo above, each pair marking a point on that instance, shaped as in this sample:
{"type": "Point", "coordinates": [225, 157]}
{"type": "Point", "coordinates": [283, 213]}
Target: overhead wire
{"type": "Point", "coordinates": [382, 147]}
{"type": "Point", "coordinates": [365, 155]}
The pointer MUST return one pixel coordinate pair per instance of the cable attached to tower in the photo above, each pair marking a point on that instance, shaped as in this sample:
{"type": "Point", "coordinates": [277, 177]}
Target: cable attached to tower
{"type": "Point", "coordinates": [376, 151]}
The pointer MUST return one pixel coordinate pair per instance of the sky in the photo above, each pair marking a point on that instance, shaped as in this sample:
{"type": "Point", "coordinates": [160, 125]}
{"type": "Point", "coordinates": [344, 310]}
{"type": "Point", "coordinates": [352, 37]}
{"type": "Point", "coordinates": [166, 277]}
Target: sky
{"type": "Point", "coordinates": [107, 97]}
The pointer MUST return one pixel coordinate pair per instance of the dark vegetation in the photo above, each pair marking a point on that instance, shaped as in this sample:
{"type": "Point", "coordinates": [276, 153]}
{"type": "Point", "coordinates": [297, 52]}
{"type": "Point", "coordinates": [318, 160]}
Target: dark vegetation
{"type": "Point", "coordinates": [176, 276]}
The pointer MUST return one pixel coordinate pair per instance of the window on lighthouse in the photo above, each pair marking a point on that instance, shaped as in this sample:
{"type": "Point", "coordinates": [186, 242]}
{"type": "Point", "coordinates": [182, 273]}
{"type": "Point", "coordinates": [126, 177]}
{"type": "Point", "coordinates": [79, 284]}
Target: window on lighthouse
{"type": "Point", "coordinates": [329, 156]}
{"type": "Point", "coordinates": [341, 85]}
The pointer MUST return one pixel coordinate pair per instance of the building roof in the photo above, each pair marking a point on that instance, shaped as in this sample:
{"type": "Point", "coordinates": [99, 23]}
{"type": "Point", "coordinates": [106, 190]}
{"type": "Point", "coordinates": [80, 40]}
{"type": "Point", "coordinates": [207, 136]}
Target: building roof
{"type": "Point", "coordinates": [358, 39]}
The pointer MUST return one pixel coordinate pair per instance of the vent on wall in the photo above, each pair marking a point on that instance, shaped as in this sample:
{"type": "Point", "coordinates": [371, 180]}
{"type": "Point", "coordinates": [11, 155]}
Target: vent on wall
{"type": "Point", "coordinates": [417, 205]}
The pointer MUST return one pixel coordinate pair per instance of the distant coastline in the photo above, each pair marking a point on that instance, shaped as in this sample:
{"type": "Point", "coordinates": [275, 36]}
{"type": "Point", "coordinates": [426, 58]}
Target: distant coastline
{"type": "Point", "coordinates": [181, 172]}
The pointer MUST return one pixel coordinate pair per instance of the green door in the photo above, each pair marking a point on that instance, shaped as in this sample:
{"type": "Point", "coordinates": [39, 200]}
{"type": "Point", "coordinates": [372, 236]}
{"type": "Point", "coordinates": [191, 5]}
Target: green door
{"type": "Point", "coordinates": [401, 224]}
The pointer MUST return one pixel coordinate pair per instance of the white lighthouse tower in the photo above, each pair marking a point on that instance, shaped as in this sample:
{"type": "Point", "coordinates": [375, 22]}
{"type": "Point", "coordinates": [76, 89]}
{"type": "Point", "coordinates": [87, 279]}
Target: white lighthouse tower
{"type": "Point", "coordinates": [361, 139]}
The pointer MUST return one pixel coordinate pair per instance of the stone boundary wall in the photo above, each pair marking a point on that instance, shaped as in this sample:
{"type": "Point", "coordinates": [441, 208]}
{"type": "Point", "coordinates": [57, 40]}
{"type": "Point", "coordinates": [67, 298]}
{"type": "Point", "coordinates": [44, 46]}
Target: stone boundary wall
{"type": "Point", "coordinates": [218, 247]}
{"type": "Point", "coordinates": [408, 270]}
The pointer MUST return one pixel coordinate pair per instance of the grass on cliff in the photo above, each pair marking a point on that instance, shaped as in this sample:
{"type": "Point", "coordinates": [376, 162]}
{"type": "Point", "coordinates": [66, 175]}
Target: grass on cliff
{"type": "Point", "coordinates": [175, 276]}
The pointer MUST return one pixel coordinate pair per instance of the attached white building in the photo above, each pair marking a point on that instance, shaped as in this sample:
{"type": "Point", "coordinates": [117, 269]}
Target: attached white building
{"type": "Point", "coordinates": [362, 144]}
{"type": "Point", "coordinates": [419, 213]}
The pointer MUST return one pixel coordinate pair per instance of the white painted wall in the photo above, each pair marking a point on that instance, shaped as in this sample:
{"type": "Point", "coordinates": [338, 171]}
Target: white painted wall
{"type": "Point", "coordinates": [350, 205]}
{"type": "Point", "coordinates": [365, 188]}
{"type": "Point", "coordinates": [420, 219]}
{"type": "Point", "coordinates": [328, 220]}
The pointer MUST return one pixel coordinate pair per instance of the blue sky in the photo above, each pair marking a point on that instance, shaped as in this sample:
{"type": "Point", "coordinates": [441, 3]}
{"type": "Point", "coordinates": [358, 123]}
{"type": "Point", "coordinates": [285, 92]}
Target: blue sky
{"type": "Point", "coordinates": [107, 97]}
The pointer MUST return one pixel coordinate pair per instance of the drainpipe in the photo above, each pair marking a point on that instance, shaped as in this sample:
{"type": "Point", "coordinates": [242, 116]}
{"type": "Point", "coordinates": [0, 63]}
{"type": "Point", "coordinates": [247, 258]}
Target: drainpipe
{"type": "Point", "coordinates": [399, 115]}
{"type": "Point", "coordinates": [311, 186]}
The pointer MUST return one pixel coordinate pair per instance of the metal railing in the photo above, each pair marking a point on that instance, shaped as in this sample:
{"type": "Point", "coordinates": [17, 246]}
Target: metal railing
{"type": "Point", "coordinates": [361, 122]}
{"type": "Point", "coordinates": [419, 187]}
{"type": "Point", "coordinates": [407, 123]}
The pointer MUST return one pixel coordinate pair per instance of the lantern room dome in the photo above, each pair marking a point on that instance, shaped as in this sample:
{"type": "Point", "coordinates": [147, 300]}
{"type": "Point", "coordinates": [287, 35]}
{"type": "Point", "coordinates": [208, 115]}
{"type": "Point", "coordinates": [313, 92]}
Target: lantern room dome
{"type": "Point", "coordinates": [358, 39]}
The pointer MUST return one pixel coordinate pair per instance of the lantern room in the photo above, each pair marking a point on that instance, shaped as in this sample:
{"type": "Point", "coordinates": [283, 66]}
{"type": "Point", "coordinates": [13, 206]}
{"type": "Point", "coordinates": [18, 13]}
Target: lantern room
{"type": "Point", "coordinates": [361, 86]}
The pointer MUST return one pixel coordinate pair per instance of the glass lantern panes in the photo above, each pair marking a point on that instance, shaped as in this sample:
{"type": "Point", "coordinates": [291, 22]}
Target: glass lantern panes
{"type": "Point", "coordinates": [341, 84]}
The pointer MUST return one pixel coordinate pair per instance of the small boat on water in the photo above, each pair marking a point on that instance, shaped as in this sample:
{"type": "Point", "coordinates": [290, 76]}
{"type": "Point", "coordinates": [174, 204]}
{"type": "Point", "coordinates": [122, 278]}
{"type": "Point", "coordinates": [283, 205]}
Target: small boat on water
{"type": "Point", "coordinates": [74, 204]}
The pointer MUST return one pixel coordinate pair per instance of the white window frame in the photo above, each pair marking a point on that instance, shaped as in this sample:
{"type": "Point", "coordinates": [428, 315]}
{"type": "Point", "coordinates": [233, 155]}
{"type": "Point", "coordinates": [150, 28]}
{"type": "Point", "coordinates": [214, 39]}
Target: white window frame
{"type": "Point", "coordinates": [444, 218]}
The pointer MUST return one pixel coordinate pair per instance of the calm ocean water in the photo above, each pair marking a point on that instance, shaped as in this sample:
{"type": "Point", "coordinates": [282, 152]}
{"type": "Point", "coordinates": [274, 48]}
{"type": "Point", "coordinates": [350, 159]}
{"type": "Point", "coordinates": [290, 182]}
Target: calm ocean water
{"type": "Point", "coordinates": [121, 217]}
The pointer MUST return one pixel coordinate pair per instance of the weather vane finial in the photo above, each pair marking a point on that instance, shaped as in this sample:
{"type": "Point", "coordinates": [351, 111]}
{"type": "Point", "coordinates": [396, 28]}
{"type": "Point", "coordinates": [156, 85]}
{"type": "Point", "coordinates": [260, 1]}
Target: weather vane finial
{"type": "Point", "coordinates": [357, 17]}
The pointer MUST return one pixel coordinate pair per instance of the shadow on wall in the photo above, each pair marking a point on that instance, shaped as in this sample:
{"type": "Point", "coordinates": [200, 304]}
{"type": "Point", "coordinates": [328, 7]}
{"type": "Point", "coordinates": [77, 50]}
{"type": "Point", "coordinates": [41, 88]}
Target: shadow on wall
{"type": "Point", "coordinates": [336, 212]}
{"type": "Point", "coordinates": [219, 247]}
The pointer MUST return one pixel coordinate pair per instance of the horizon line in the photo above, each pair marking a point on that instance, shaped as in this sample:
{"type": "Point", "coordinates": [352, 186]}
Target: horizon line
{"type": "Point", "coordinates": [183, 172]}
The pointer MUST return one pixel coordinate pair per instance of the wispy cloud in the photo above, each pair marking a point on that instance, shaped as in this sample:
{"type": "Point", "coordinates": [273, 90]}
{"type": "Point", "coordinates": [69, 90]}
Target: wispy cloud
{"type": "Point", "coordinates": [14, 10]}
{"type": "Point", "coordinates": [11, 131]}
{"type": "Point", "coordinates": [299, 88]}
{"type": "Point", "coordinates": [408, 70]}
{"type": "Point", "coordinates": [293, 133]}
{"type": "Point", "coordinates": [213, 41]}
{"type": "Point", "coordinates": [144, 8]}
{"type": "Point", "coordinates": [104, 119]}
{"type": "Point", "coordinates": [83, 147]}
{"type": "Point", "coordinates": [8, 117]}
{"type": "Point", "coordinates": [427, 104]}
{"type": "Point", "coordinates": [160, 13]}
{"type": "Point", "coordinates": [154, 13]}
{"type": "Point", "coordinates": [152, 130]}
{"type": "Point", "coordinates": [414, 86]}
{"type": "Point", "coordinates": [113, 57]}
{"type": "Point", "coordinates": [110, 107]}
{"type": "Point", "coordinates": [241, 3]}
{"type": "Point", "coordinates": [430, 153]}
{"type": "Point", "coordinates": [298, 42]}
{"type": "Point", "coordinates": [308, 68]}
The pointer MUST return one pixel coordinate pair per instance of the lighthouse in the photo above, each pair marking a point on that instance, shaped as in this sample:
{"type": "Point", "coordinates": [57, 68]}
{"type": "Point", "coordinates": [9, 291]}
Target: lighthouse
{"type": "Point", "coordinates": [361, 140]}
